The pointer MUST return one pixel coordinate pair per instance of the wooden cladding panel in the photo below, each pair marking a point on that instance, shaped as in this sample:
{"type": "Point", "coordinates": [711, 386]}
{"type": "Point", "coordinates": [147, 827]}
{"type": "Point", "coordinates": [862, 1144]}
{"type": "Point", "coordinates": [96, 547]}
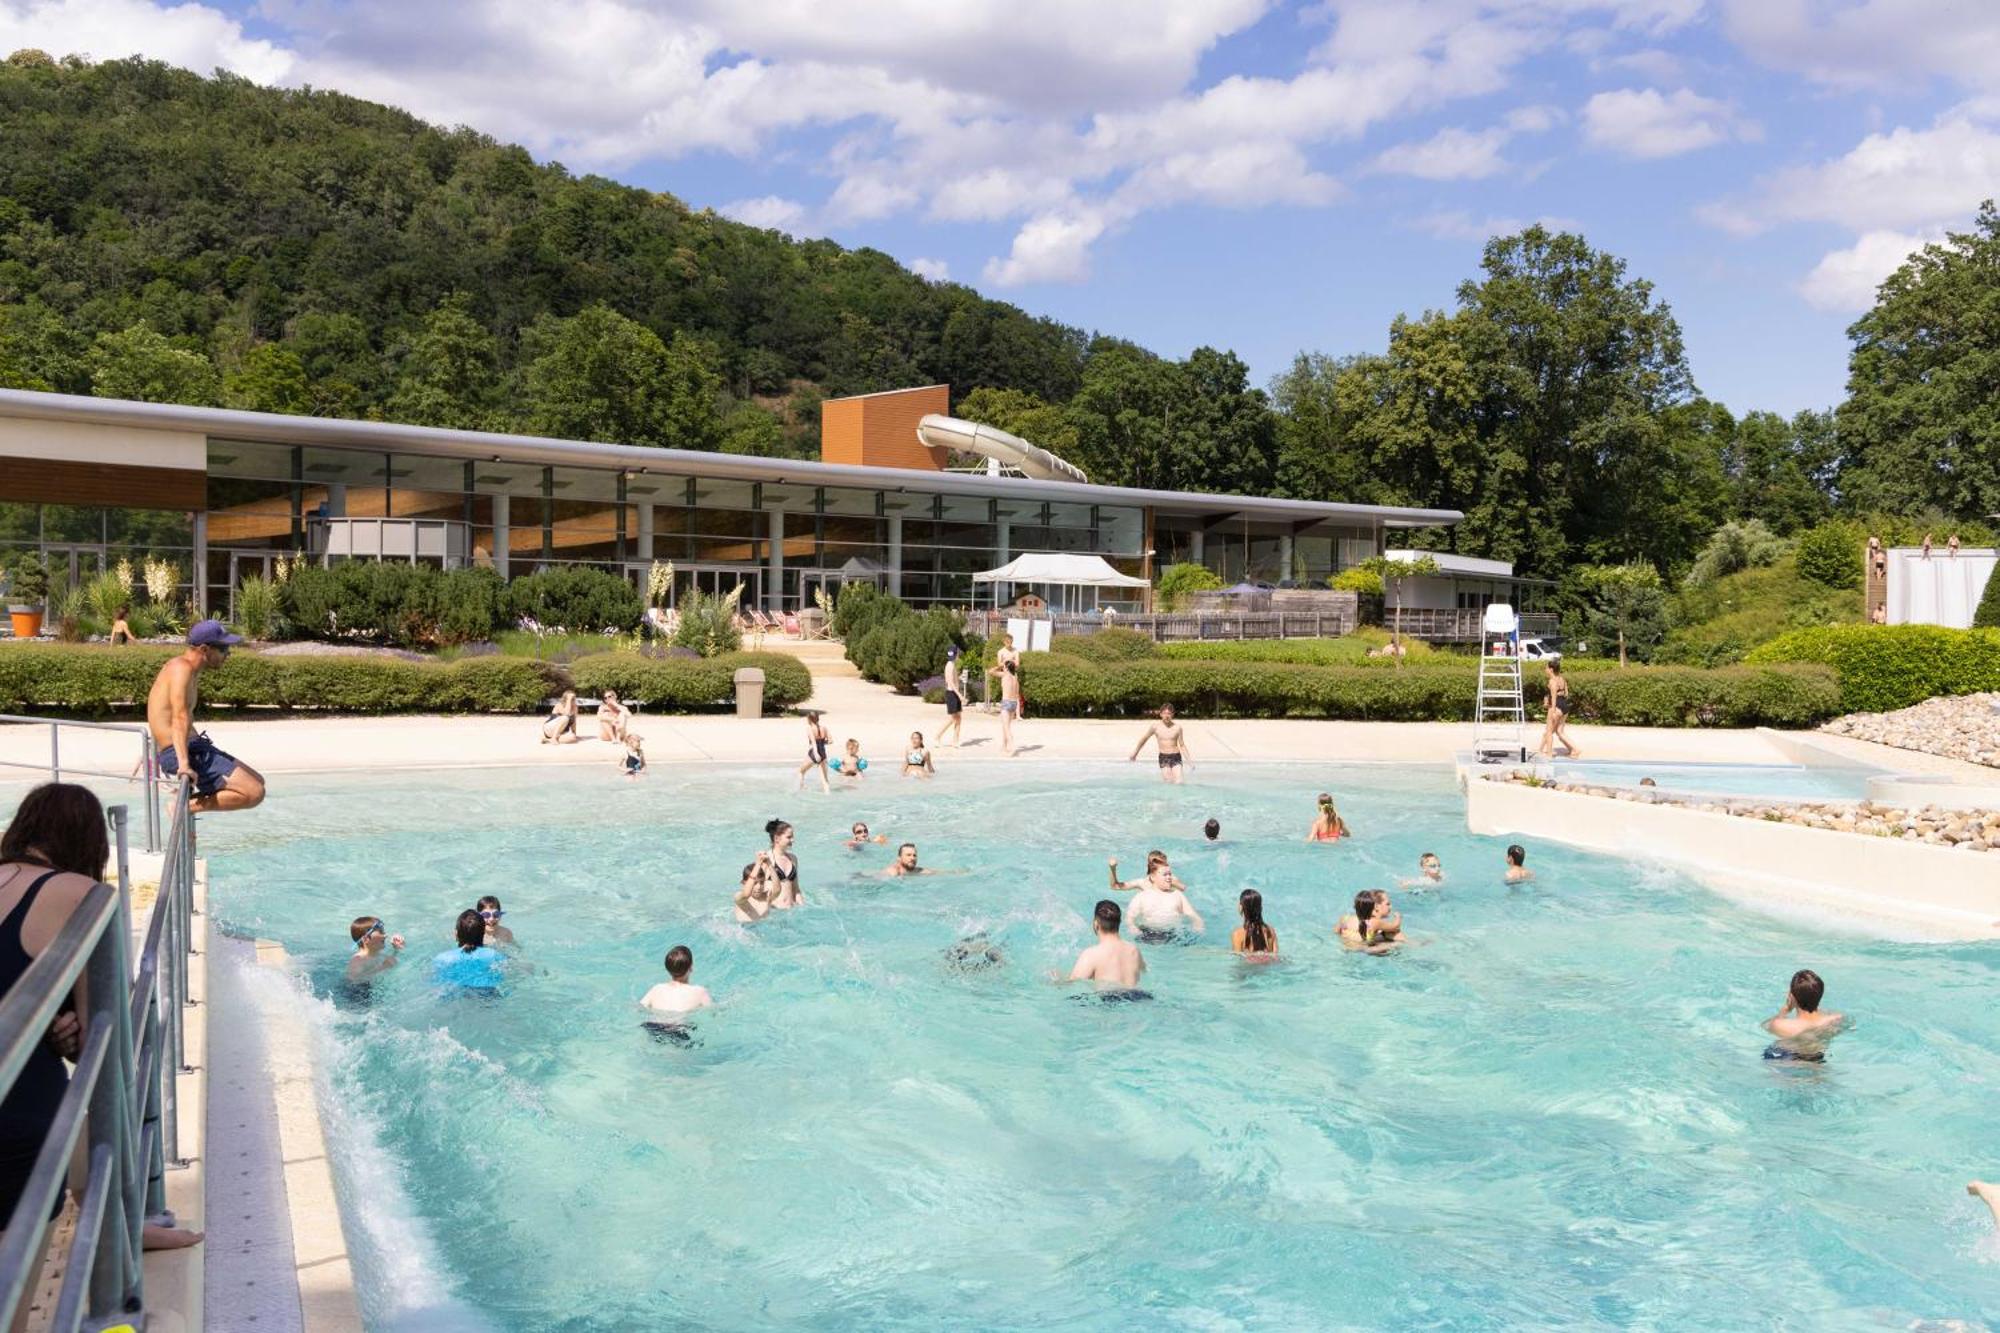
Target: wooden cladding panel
{"type": "Point", "coordinates": [117, 485]}
{"type": "Point", "coordinates": [880, 429]}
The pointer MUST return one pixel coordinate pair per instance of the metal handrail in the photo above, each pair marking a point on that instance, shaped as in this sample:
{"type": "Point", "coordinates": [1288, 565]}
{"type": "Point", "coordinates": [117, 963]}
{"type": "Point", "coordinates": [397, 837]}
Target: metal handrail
{"type": "Point", "coordinates": [121, 1096]}
{"type": "Point", "coordinates": [149, 762]}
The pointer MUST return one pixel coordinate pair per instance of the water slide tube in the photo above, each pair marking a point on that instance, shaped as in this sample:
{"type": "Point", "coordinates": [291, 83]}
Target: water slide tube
{"type": "Point", "coordinates": [942, 432]}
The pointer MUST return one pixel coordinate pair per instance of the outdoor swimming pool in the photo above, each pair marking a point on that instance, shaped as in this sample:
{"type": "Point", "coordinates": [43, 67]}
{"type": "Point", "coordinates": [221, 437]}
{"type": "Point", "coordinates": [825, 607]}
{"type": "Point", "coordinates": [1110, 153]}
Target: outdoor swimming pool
{"type": "Point", "coordinates": [1548, 1110]}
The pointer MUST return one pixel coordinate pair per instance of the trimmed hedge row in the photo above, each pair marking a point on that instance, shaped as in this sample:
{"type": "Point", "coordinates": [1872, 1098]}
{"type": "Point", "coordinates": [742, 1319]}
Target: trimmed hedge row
{"type": "Point", "coordinates": [1352, 650]}
{"type": "Point", "coordinates": [97, 681]}
{"type": "Point", "coordinates": [1885, 667]}
{"type": "Point", "coordinates": [1066, 686]}
{"type": "Point", "coordinates": [676, 684]}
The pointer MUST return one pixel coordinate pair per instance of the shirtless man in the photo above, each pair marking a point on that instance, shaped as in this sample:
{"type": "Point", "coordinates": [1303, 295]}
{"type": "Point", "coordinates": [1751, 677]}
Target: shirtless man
{"type": "Point", "coordinates": [1008, 668]}
{"type": "Point", "coordinates": [221, 782]}
{"type": "Point", "coordinates": [1113, 961]}
{"type": "Point", "coordinates": [954, 699]}
{"type": "Point", "coordinates": [906, 863]}
{"type": "Point", "coordinates": [1166, 733]}
{"type": "Point", "coordinates": [1159, 908]}
{"type": "Point", "coordinates": [676, 996]}
{"type": "Point", "coordinates": [1801, 1028]}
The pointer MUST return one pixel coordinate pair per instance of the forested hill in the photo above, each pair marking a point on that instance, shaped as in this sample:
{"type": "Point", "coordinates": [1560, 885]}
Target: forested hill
{"type": "Point", "coordinates": [175, 238]}
{"type": "Point", "coordinates": [223, 215]}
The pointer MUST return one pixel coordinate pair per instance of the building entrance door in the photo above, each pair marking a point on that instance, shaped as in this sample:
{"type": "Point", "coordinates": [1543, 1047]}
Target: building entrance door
{"type": "Point", "coordinates": [73, 564]}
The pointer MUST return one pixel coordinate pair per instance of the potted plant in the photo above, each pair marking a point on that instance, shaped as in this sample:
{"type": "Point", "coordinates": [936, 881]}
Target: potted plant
{"type": "Point", "coordinates": [27, 591]}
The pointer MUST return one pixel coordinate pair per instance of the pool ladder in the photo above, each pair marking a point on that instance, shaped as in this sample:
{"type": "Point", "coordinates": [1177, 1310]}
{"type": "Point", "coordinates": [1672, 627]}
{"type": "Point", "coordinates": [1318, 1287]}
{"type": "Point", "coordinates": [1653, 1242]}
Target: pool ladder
{"type": "Point", "coordinates": [1500, 712]}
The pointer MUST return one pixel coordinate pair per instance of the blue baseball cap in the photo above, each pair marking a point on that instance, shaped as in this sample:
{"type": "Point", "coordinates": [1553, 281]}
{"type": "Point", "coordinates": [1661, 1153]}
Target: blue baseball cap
{"type": "Point", "coordinates": [951, 654]}
{"type": "Point", "coordinates": [213, 634]}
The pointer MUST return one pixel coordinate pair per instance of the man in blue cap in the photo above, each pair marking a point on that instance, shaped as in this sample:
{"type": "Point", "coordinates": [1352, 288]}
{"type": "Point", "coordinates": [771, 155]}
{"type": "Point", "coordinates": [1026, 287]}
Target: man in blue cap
{"type": "Point", "coordinates": [221, 782]}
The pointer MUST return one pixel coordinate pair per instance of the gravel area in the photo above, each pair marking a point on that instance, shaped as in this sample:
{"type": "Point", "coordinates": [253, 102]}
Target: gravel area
{"type": "Point", "coordinates": [1965, 726]}
{"type": "Point", "coordinates": [307, 648]}
{"type": "Point", "coordinates": [1967, 830]}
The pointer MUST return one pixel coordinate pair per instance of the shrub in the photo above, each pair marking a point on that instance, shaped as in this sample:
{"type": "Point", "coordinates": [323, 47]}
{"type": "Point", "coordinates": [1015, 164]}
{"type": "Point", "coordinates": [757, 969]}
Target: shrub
{"type": "Point", "coordinates": [1830, 554]}
{"type": "Point", "coordinates": [1058, 684]}
{"type": "Point", "coordinates": [856, 606]}
{"type": "Point", "coordinates": [107, 593]}
{"type": "Point", "coordinates": [576, 598]}
{"type": "Point", "coordinates": [708, 624]}
{"type": "Point", "coordinates": [27, 580]}
{"type": "Point", "coordinates": [1350, 650]}
{"type": "Point", "coordinates": [257, 607]}
{"type": "Point", "coordinates": [1357, 579]}
{"type": "Point", "coordinates": [369, 601]}
{"type": "Point", "coordinates": [1177, 581]}
{"type": "Point", "coordinates": [1733, 547]}
{"type": "Point", "coordinates": [679, 684]}
{"type": "Point", "coordinates": [1107, 645]}
{"type": "Point", "coordinates": [903, 651]}
{"type": "Point", "coordinates": [97, 681]}
{"type": "Point", "coordinates": [1987, 616]}
{"type": "Point", "coordinates": [1885, 667]}
{"type": "Point", "coordinates": [468, 605]}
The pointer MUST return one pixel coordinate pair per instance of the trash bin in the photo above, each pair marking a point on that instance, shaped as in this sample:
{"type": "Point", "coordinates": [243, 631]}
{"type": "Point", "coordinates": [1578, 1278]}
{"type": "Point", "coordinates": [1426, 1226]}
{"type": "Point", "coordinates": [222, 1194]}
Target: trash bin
{"type": "Point", "coordinates": [749, 691]}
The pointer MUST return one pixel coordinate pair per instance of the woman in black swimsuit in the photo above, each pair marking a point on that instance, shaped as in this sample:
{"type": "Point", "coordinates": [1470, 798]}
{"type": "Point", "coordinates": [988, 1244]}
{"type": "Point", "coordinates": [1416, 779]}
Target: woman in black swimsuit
{"type": "Point", "coordinates": [1554, 729]}
{"type": "Point", "coordinates": [784, 865]}
{"type": "Point", "coordinates": [815, 754]}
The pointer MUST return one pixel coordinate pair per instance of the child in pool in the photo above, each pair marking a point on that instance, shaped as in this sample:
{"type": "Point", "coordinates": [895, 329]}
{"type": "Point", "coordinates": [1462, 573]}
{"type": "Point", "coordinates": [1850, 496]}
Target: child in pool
{"type": "Point", "coordinates": [850, 765]}
{"type": "Point", "coordinates": [375, 949]}
{"type": "Point", "coordinates": [635, 755]}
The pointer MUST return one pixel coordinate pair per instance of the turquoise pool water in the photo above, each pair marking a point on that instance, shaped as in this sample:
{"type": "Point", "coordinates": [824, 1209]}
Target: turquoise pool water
{"type": "Point", "coordinates": [1794, 781]}
{"type": "Point", "coordinates": [1549, 1110]}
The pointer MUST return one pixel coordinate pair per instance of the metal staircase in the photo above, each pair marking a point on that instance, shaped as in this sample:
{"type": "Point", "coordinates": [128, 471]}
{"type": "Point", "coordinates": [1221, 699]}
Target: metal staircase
{"type": "Point", "coordinates": [1500, 713]}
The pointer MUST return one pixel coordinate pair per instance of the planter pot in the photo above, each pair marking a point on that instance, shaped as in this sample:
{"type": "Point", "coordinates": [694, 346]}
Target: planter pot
{"type": "Point", "coordinates": [27, 624]}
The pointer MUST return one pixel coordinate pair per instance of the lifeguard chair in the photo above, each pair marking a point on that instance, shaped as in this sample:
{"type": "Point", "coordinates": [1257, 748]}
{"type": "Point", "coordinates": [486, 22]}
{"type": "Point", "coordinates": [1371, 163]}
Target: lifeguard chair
{"type": "Point", "coordinates": [1500, 713]}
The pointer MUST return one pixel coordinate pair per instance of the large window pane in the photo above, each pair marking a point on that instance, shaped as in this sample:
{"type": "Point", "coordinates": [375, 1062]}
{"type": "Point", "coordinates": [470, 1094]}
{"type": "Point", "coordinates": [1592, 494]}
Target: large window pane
{"type": "Point", "coordinates": [248, 458]}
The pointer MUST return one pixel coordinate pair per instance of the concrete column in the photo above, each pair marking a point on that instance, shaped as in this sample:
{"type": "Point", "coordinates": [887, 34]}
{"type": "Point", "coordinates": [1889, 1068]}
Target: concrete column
{"type": "Point", "coordinates": [896, 554]}
{"type": "Point", "coordinates": [500, 517]}
{"type": "Point", "coordinates": [645, 538]}
{"type": "Point", "coordinates": [1284, 557]}
{"type": "Point", "coordinates": [1199, 549]}
{"type": "Point", "coordinates": [1006, 539]}
{"type": "Point", "coordinates": [336, 500]}
{"type": "Point", "coordinates": [774, 578]}
{"type": "Point", "coordinates": [201, 562]}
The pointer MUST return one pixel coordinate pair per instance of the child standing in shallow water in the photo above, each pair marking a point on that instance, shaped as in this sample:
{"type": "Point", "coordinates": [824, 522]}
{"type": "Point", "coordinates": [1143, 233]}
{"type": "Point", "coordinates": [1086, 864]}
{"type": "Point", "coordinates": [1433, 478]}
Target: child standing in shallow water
{"type": "Point", "coordinates": [375, 949]}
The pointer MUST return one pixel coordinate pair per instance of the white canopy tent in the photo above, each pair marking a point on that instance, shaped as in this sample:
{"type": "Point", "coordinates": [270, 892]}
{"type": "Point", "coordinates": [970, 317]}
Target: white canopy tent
{"type": "Point", "coordinates": [1056, 569]}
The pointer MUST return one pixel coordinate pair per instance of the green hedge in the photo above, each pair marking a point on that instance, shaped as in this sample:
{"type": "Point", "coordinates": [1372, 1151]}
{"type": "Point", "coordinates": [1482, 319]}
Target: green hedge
{"type": "Point", "coordinates": [99, 681]}
{"type": "Point", "coordinates": [676, 684]}
{"type": "Point", "coordinates": [1107, 645]}
{"type": "Point", "coordinates": [1066, 686]}
{"type": "Point", "coordinates": [383, 601]}
{"type": "Point", "coordinates": [1885, 667]}
{"type": "Point", "coordinates": [1351, 650]}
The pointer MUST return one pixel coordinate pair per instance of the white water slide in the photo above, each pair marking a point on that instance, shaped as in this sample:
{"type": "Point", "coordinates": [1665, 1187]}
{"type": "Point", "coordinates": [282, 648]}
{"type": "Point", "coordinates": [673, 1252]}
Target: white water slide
{"type": "Point", "coordinates": [942, 432]}
{"type": "Point", "coordinates": [1943, 590]}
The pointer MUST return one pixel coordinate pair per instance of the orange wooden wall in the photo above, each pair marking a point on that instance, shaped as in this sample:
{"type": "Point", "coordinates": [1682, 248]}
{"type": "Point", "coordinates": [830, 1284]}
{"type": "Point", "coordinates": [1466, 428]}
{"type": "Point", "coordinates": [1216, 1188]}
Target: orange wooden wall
{"type": "Point", "coordinates": [880, 429]}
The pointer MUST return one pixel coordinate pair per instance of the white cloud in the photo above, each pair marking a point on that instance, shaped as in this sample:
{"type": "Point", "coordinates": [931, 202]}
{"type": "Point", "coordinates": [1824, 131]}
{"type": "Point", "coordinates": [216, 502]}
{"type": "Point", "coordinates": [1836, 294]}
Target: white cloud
{"type": "Point", "coordinates": [869, 195]}
{"type": "Point", "coordinates": [769, 210]}
{"type": "Point", "coordinates": [1646, 123]}
{"type": "Point", "coordinates": [934, 269]}
{"type": "Point", "coordinates": [1885, 44]}
{"type": "Point", "coordinates": [1050, 247]}
{"type": "Point", "coordinates": [1845, 280]}
{"type": "Point", "coordinates": [1450, 154]}
{"type": "Point", "coordinates": [1902, 179]}
{"type": "Point", "coordinates": [190, 35]}
{"type": "Point", "coordinates": [1458, 225]}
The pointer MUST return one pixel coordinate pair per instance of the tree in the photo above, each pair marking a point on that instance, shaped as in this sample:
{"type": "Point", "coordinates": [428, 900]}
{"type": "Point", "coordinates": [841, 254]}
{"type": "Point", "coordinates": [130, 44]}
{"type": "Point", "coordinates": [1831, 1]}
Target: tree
{"type": "Point", "coordinates": [38, 348]}
{"type": "Point", "coordinates": [1987, 614]}
{"type": "Point", "coordinates": [270, 379]}
{"type": "Point", "coordinates": [1193, 425]}
{"type": "Point", "coordinates": [1323, 405]}
{"type": "Point", "coordinates": [138, 363]}
{"type": "Point", "coordinates": [1627, 602]}
{"type": "Point", "coordinates": [448, 375]}
{"type": "Point", "coordinates": [601, 376]}
{"type": "Point", "coordinates": [1830, 554]}
{"type": "Point", "coordinates": [749, 429]}
{"type": "Point", "coordinates": [1782, 472]}
{"type": "Point", "coordinates": [1921, 423]}
{"type": "Point", "coordinates": [1735, 546]}
{"type": "Point", "coordinates": [1021, 413]}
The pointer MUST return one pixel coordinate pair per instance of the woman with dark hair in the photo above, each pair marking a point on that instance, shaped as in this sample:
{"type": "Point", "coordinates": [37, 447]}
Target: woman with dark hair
{"type": "Point", "coordinates": [1371, 926]}
{"type": "Point", "coordinates": [784, 866]}
{"type": "Point", "coordinates": [815, 754]}
{"type": "Point", "coordinates": [1253, 936]}
{"type": "Point", "coordinates": [472, 964]}
{"type": "Point", "coordinates": [1555, 726]}
{"type": "Point", "coordinates": [51, 855]}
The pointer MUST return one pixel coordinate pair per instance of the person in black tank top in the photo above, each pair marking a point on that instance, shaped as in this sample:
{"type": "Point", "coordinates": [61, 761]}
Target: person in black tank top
{"type": "Point", "coordinates": [784, 865]}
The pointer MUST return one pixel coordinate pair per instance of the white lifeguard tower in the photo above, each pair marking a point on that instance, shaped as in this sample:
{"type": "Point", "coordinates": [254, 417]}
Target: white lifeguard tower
{"type": "Point", "coordinates": [1500, 713]}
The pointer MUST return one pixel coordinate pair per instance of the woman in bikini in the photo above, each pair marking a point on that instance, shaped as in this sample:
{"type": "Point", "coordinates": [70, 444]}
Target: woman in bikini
{"type": "Point", "coordinates": [613, 718]}
{"type": "Point", "coordinates": [1327, 826]}
{"type": "Point", "coordinates": [1554, 729]}
{"type": "Point", "coordinates": [815, 754]}
{"type": "Point", "coordinates": [560, 729]}
{"type": "Point", "coordinates": [1253, 937]}
{"type": "Point", "coordinates": [917, 759]}
{"type": "Point", "coordinates": [784, 873]}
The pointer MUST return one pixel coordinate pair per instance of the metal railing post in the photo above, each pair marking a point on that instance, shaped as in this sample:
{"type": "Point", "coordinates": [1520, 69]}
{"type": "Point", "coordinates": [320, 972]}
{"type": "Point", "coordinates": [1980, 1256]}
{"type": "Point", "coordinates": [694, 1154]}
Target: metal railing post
{"type": "Point", "coordinates": [114, 1281]}
{"type": "Point", "coordinates": [55, 752]}
{"type": "Point", "coordinates": [149, 757]}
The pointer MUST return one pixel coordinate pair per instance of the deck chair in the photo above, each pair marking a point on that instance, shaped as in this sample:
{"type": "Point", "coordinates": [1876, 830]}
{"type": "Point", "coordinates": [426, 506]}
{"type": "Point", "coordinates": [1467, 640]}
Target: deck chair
{"type": "Point", "coordinates": [792, 630]}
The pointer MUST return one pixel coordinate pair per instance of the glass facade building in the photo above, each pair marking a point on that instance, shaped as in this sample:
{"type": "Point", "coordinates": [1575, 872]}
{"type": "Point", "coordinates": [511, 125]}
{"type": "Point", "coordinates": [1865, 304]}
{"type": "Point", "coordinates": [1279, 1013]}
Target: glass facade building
{"type": "Point", "coordinates": [258, 487]}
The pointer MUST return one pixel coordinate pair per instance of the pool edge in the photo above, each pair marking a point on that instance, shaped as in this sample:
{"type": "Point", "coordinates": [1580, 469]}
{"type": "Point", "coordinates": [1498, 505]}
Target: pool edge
{"type": "Point", "coordinates": [321, 1257]}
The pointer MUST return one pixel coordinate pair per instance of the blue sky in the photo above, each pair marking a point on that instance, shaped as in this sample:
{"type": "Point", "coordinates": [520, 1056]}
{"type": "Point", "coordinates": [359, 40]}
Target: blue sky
{"type": "Point", "coordinates": [1265, 177]}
